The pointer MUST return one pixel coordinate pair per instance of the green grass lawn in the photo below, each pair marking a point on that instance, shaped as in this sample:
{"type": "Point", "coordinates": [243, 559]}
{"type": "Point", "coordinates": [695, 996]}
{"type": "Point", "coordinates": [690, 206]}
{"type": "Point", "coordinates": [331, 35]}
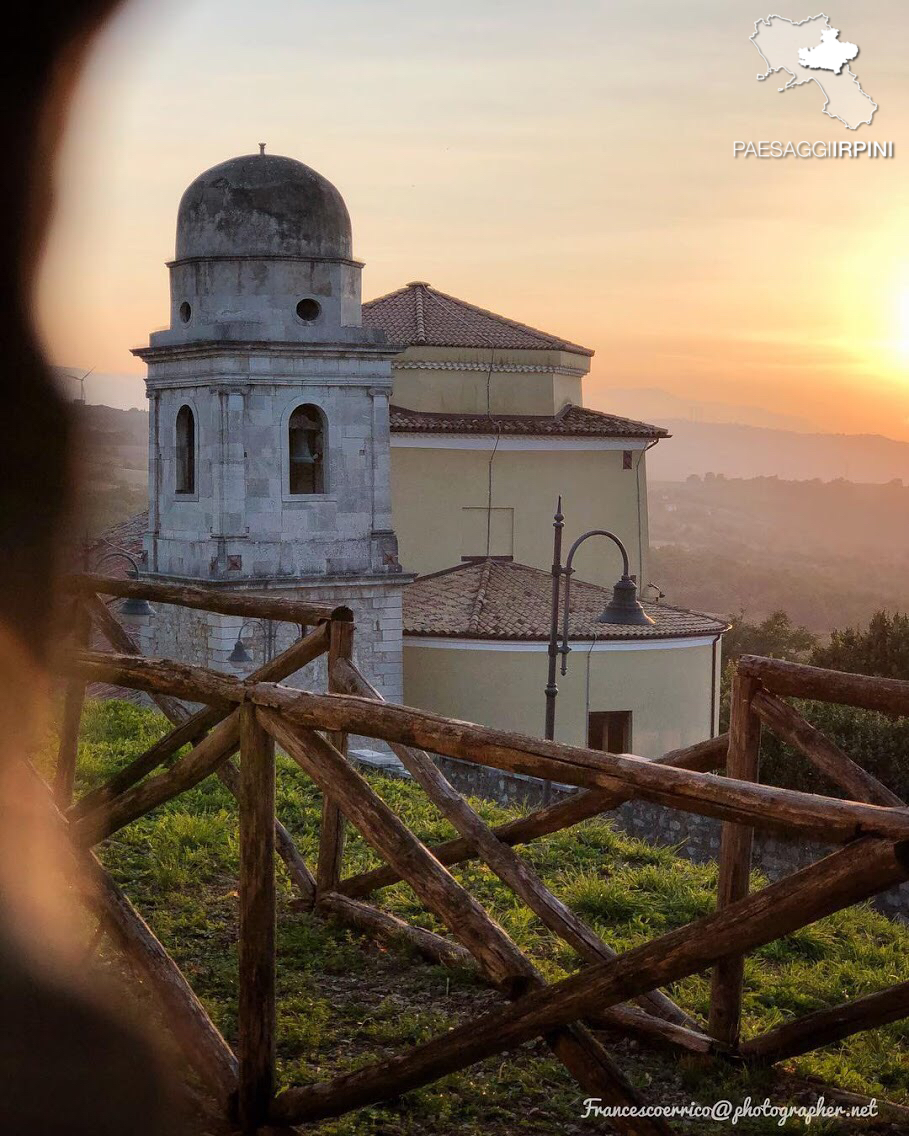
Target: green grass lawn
{"type": "Point", "coordinates": [345, 1001]}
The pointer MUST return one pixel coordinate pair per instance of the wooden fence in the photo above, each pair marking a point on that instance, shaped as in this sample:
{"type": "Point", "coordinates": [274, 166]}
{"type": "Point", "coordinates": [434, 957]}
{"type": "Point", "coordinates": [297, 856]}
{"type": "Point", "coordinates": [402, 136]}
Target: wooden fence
{"type": "Point", "coordinates": [618, 992]}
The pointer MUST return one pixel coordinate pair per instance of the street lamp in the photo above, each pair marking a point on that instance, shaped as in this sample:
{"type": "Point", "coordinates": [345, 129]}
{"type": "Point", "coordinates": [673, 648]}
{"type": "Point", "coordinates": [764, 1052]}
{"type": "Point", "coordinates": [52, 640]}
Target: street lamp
{"type": "Point", "coordinates": [132, 605]}
{"type": "Point", "coordinates": [623, 608]}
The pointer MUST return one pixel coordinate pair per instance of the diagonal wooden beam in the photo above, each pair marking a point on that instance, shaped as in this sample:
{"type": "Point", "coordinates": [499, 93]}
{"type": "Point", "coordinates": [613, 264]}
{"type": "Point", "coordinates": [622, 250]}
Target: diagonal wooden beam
{"type": "Point", "coordinates": [390, 929]}
{"type": "Point", "coordinates": [580, 806]}
{"type": "Point", "coordinates": [288, 662]}
{"type": "Point", "coordinates": [828, 1026]}
{"type": "Point", "coordinates": [121, 640]}
{"type": "Point", "coordinates": [497, 956]}
{"type": "Point", "coordinates": [191, 729]}
{"type": "Point", "coordinates": [192, 768]}
{"type": "Point", "coordinates": [502, 860]}
{"type": "Point", "coordinates": [846, 877]}
{"type": "Point", "coordinates": [824, 754]}
{"type": "Point", "coordinates": [199, 1038]}
{"type": "Point", "coordinates": [625, 1020]}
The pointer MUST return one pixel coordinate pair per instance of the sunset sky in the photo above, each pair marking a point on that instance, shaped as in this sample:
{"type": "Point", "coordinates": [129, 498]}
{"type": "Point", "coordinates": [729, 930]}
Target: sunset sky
{"type": "Point", "coordinates": [569, 165]}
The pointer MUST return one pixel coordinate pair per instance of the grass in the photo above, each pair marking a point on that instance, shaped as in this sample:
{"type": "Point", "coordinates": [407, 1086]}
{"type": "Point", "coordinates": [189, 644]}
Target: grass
{"type": "Point", "coordinates": [345, 1001]}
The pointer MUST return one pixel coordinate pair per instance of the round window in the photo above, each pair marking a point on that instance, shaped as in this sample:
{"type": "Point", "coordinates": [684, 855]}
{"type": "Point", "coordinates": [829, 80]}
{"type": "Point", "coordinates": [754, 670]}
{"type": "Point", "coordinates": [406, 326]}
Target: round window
{"type": "Point", "coordinates": [185, 312]}
{"type": "Point", "coordinates": [308, 310]}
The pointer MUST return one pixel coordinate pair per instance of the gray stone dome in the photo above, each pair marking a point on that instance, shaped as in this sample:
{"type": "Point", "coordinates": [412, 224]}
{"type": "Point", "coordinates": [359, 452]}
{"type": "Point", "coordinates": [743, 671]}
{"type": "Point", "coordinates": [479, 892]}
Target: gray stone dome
{"type": "Point", "coordinates": [262, 205]}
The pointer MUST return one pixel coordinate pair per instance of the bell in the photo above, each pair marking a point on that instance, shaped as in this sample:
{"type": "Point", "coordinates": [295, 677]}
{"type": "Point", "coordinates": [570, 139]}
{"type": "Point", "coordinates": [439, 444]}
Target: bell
{"type": "Point", "coordinates": [624, 608]}
{"type": "Point", "coordinates": [301, 448]}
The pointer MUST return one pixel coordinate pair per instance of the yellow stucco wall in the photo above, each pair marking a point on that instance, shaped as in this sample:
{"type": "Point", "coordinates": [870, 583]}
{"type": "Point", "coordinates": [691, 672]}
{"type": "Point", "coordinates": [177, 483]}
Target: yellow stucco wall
{"type": "Point", "coordinates": [431, 488]}
{"type": "Point", "coordinates": [450, 389]}
{"type": "Point", "coordinates": [667, 690]}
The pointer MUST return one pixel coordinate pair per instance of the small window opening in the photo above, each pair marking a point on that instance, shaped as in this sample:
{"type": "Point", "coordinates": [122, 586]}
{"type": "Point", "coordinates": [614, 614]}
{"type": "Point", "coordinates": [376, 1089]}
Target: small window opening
{"type": "Point", "coordinates": [185, 312]}
{"type": "Point", "coordinates": [308, 310]}
{"type": "Point", "coordinates": [609, 731]}
{"type": "Point", "coordinates": [306, 445]}
{"type": "Point", "coordinates": [186, 451]}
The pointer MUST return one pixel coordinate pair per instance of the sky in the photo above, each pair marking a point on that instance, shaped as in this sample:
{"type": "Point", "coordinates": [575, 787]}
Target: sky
{"type": "Point", "coordinates": [568, 165]}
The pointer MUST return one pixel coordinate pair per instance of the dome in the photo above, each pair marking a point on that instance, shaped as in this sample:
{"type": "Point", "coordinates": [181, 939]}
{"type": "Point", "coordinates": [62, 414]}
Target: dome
{"type": "Point", "coordinates": [262, 205]}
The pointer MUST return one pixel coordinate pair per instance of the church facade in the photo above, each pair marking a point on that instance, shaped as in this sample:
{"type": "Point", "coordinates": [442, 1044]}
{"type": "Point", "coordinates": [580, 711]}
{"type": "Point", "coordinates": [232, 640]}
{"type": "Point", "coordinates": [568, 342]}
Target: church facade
{"type": "Point", "coordinates": [404, 457]}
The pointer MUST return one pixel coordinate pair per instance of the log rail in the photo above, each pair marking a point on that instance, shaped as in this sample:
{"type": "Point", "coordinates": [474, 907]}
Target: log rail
{"type": "Point", "coordinates": [620, 993]}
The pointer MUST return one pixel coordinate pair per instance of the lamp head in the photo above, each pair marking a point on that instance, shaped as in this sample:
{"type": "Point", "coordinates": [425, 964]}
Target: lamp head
{"type": "Point", "coordinates": [624, 608]}
{"type": "Point", "coordinates": [136, 606]}
{"type": "Point", "coordinates": [239, 654]}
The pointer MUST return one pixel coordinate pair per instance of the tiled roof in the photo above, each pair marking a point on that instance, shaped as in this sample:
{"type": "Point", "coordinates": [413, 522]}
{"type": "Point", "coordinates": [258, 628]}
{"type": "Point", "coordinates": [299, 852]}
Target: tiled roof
{"type": "Point", "coordinates": [418, 314]}
{"type": "Point", "coordinates": [495, 599]}
{"type": "Point", "coordinates": [571, 421]}
{"type": "Point", "coordinates": [126, 536]}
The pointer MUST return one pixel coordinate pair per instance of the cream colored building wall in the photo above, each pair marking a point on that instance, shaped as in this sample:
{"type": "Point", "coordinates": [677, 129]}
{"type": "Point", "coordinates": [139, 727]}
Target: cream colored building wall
{"type": "Point", "coordinates": [431, 488]}
{"type": "Point", "coordinates": [453, 380]}
{"type": "Point", "coordinates": [667, 689]}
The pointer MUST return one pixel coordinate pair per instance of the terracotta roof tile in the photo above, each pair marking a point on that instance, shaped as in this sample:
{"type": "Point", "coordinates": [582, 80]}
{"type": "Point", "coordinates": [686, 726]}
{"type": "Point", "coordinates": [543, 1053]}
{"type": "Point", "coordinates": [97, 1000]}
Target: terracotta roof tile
{"type": "Point", "coordinates": [418, 314]}
{"type": "Point", "coordinates": [571, 421]}
{"type": "Point", "coordinates": [494, 599]}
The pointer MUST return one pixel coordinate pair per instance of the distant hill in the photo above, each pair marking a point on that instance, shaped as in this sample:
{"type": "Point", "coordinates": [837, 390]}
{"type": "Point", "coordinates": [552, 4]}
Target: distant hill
{"type": "Point", "coordinates": [754, 451]}
{"type": "Point", "coordinates": [113, 447]}
{"type": "Point", "coordinates": [828, 553]}
{"type": "Point", "coordinates": [652, 404]}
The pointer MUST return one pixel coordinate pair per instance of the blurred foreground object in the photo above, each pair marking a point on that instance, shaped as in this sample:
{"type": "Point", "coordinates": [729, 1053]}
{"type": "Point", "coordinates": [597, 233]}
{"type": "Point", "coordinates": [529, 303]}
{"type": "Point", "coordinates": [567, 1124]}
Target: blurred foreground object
{"type": "Point", "coordinates": [66, 1064]}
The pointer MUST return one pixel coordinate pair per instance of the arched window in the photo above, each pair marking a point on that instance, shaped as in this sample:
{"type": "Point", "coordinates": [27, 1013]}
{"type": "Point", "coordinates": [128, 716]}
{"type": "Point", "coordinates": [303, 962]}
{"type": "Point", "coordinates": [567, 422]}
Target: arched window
{"type": "Point", "coordinates": [186, 451]}
{"type": "Point", "coordinates": [306, 447]}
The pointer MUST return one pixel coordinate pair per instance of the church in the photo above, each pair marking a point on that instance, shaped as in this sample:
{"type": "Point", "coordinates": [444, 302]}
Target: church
{"type": "Point", "coordinates": [405, 457]}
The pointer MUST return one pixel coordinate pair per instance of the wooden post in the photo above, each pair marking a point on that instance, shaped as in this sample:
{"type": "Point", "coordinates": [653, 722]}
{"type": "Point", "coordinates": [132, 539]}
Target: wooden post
{"type": "Point", "coordinates": [742, 762]}
{"type": "Point", "coordinates": [68, 752]}
{"type": "Point", "coordinates": [256, 1006]}
{"type": "Point", "coordinates": [331, 840]}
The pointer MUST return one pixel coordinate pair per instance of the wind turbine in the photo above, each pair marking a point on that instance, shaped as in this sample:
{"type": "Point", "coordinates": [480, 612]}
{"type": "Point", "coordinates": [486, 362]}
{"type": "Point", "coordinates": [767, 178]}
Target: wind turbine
{"type": "Point", "coordinates": [80, 379]}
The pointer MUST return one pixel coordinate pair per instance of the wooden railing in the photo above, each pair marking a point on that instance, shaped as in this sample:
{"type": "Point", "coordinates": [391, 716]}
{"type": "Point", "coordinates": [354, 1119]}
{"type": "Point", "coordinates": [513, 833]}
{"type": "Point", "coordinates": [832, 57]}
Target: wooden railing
{"type": "Point", "coordinates": [621, 992]}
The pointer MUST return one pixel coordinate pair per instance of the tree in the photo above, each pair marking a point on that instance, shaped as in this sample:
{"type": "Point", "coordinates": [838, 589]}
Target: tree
{"type": "Point", "coordinates": [777, 637]}
{"type": "Point", "coordinates": [881, 649]}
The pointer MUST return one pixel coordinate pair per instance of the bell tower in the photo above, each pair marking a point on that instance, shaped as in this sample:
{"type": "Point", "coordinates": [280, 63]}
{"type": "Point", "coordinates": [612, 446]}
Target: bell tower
{"type": "Point", "coordinates": [269, 428]}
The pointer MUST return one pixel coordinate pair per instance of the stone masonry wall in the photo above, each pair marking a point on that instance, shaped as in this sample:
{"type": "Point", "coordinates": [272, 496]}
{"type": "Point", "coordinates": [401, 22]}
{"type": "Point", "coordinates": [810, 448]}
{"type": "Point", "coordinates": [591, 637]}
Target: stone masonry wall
{"type": "Point", "coordinates": [208, 639]}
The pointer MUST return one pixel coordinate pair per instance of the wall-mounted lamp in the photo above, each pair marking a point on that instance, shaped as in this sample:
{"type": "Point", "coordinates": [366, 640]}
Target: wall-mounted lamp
{"type": "Point", "coordinates": [132, 605]}
{"type": "Point", "coordinates": [240, 655]}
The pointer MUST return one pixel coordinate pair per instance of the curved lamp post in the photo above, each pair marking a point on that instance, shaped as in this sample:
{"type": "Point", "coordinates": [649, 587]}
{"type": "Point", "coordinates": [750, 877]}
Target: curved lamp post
{"type": "Point", "coordinates": [623, 609]}
{"type": "Point", "coordinates": [132, 605]}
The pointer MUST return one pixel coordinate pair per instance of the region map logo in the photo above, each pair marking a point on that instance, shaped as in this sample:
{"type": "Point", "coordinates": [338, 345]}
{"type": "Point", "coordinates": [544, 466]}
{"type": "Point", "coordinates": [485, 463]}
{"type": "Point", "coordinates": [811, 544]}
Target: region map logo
{"type": "Point", "coordinates": [812, 52]}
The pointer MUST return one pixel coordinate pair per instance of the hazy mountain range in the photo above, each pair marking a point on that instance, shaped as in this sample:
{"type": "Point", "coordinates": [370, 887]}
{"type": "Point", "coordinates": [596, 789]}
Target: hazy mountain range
{"type": "Point", "coordinates": [749, 441]}
{"type": "Point", "coordinates": [707, 437]}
